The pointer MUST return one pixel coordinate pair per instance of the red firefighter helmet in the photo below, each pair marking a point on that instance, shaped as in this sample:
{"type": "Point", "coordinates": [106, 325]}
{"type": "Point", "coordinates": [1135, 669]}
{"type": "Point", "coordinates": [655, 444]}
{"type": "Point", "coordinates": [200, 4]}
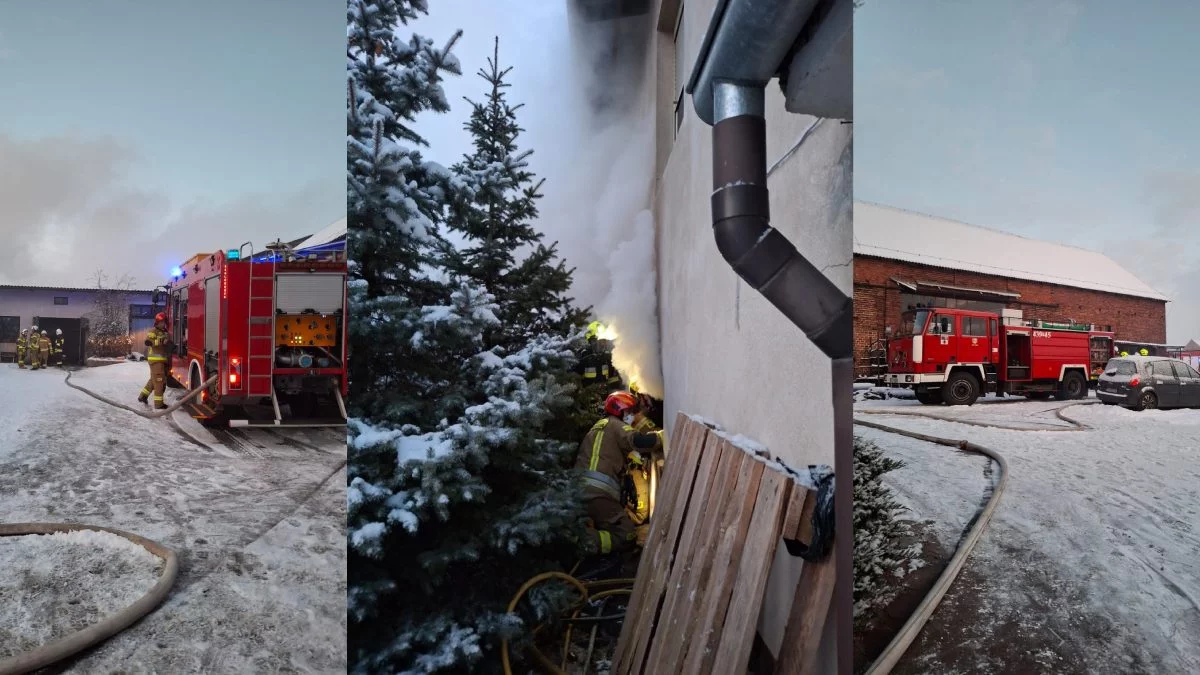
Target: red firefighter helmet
{"type": "Point", "coordinates": [161, 317]}
{"type": "Point", "coordinates": [619, 402]}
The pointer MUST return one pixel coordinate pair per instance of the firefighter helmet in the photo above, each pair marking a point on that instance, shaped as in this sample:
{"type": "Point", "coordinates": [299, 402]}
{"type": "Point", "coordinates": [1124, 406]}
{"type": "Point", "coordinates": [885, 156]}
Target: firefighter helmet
{"type": "Point", "coordinates": [58, 331]}
{"type": "Point", "coordinates": [593, 330]}
{"type": "Point", "coordinates": [160, 317]}
{"type": "Point", "coordinates": [1144, 352]}
{"type": "Point", "coordinates": [44, 332]}
{"type": "Point", "coordinates": [619, 402]}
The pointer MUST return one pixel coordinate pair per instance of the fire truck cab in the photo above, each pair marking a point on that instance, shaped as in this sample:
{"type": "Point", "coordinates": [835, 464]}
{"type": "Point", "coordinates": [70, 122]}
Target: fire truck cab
{"type": "Point", "coordinates": [270, 328]}
{"type": "Point", "coordinates": [955, 356]}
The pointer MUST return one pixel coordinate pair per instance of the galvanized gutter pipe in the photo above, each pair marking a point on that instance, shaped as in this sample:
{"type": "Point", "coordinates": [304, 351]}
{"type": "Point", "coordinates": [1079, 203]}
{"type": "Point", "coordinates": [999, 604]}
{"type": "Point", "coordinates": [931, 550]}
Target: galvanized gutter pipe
{"type": "Point", "coordinates": [743, 49]}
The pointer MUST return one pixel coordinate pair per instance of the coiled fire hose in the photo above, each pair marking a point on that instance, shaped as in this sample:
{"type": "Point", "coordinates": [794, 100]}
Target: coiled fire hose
{"type": "Point", "coordinates": [911, 628]}
{"type": "Point", "coordinates": [96, 633]}
{"type": "Point", "coordinates": [587, 597]}
{"type": "Point", "coordinates": [144, 413]}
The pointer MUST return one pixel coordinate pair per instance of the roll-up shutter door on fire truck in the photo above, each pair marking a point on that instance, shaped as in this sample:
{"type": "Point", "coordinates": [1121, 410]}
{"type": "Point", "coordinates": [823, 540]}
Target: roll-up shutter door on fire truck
{"type": "Point", "coordinates": [212, 316]}
{"type": "Point", "coordinates": [321, 293]}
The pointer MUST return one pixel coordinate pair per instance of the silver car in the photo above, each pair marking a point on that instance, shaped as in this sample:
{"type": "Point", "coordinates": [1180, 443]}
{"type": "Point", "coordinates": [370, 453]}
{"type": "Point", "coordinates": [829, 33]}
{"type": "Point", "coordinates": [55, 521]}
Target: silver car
{"type": "Point", "coordinates": [1141, 382]}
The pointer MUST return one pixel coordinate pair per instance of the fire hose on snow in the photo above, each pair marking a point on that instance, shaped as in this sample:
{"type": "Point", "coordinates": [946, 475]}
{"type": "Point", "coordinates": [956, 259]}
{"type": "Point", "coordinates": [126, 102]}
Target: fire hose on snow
{"type": "Point", "coordinates": [94, 634]}
{"type": "Point", "coordinates": [911, 628]}
{"type": "Point", "coordinates": [144, 413]}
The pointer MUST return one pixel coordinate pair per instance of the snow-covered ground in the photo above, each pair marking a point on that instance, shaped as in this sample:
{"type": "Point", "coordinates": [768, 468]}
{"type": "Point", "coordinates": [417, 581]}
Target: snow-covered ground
{"type": "Point", "coordinates": [256, 516]}
{"type": "Point", "coordinates": [1092, 560]}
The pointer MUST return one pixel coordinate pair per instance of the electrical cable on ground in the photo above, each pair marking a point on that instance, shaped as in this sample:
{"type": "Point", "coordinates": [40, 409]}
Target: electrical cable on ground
{"type": "Point", "coordinates": [148, 414]}
{"type": "Point", "coordinates": [911, 628]}
{"type": "Point", "coordinates": [76, 642]}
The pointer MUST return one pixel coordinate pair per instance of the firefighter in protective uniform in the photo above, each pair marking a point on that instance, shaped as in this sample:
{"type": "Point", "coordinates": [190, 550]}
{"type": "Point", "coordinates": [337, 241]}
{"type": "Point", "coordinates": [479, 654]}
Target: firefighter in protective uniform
{"type": "Point", "coordinates": [158, 356]}
{"type": "Point", "coordinates": [606, 456]}
{"type": "Point", "coordinates": [22, 340]}
{"type": "Point", "coordinates": [43, 350]}
{"type": "Point", "coordinates": [57, 348]}
{"type": "Point", "coordinates": [31, 348]}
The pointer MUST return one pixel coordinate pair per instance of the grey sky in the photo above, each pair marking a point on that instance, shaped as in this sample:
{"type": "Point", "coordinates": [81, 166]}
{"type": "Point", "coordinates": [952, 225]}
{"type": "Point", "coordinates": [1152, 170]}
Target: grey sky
{"type": "Point", "coordinates": [135, 134]}
{"type": "Point", "coordinates": [1065, 120]}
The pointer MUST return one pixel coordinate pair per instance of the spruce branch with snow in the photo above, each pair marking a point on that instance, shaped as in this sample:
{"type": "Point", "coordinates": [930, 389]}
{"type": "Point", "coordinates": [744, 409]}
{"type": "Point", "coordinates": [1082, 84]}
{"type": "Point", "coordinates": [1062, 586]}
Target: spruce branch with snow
{"type": "Point", "coordinates": [458, 489]}
{"type": "Point", "coordinates": [881, 555]}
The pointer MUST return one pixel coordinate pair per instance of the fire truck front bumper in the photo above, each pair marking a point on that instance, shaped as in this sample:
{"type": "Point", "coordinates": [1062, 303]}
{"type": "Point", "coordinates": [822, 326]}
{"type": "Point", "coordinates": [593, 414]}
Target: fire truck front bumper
{"type": "Point", "coordinates": [911, 379]}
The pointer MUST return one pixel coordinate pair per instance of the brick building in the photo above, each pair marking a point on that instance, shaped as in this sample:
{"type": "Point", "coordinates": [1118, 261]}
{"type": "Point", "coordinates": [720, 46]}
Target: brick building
{"type": "Point", "coordinates": [902, 258]}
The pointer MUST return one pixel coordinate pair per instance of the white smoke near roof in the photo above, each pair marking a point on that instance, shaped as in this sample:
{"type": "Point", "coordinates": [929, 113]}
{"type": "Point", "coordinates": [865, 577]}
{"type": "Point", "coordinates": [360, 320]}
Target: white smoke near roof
{"type": "Point", "coordinates": [590, 123]}
{"type": "Point", "coordinates": [598, 196]}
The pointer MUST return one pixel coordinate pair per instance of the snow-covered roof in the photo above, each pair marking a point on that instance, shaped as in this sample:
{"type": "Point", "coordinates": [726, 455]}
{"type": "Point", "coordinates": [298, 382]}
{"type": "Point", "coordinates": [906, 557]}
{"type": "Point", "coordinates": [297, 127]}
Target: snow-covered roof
{"type": "Point", "coordinates": [71, 289]}
{"type": "Point", "coordinates": [897, 234]}
{"type": "Point", "coordinates": [333, 232]}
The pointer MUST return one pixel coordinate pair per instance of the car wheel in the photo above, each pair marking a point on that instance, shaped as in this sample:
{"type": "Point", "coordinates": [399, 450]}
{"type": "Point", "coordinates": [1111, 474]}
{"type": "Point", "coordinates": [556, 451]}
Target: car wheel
{"type": "Point", "coordinates": [1073, 387]}
{"type": "Point", "coordinates": [961, 389]}
{"type": "Point", "coordinates": [1148, 401]}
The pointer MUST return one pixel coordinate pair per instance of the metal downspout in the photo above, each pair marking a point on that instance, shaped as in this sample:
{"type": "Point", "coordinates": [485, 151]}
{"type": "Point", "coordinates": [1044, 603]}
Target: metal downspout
{"type": "Point", "coordinates": [742, 51]}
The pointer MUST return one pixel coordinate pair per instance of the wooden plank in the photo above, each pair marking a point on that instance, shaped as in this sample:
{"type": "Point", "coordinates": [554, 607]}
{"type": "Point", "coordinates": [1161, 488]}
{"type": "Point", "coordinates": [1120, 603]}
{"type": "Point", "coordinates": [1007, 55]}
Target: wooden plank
{"type": "Point", "coordinates": [705, 629]}
{"type": "Point", "coordinates": [685, 589]}
{"type": "Point", "coordinates": [810, 607]}
{"type": "Point", "coordinates": [689, 434]}
{"type": "Point", "coordinates": [687, 509]}
{"type": "Point", "coordinates": [797, 500]}
{"type": "Point", "coordinates": [659, 550]}
{"type": "Point", "coordinates": [750, 582]}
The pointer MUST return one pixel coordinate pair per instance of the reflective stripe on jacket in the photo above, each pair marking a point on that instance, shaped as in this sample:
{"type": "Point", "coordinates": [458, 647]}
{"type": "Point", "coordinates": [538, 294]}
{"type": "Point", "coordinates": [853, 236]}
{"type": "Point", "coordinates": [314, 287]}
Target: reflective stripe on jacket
{"type": "Point", "coordinates": [158, 346]}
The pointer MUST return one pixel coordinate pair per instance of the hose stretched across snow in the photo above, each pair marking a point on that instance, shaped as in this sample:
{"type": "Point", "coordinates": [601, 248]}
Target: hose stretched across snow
{"type": "Point", "coordinates": [76, 642]}
{"type": "Point", "coordinates": [1075, 424]}
{"type": "Point", "coordinates": [911, 628]}
{"type": "Point", "coordinates": [149, 414]}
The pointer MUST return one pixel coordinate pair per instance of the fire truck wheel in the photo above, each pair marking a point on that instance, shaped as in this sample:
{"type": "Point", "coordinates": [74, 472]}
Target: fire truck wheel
{"type": "Point", "coordinates": [1074, 386]}
{"type": "Point", "coordinates": [961, 388]}
{"type": "Point", "coordinates": [929, 397]}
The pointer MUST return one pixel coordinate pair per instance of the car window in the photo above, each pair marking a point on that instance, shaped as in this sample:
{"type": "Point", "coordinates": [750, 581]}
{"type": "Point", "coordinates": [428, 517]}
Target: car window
{"type": "Point", "coordinates": [1191, 371]}
{"type": "Point", "coordinates": [1182, 370]}
{"type": "Point", "coordinates": [1120, 367]}
{"type": "Point", "coordinates": [974, 326]}
{"type": "Point", "coordinates": [1161, 370]}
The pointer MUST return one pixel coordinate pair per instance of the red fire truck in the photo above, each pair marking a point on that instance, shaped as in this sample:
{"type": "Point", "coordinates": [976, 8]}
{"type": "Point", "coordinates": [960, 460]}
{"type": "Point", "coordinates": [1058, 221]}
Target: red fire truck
{"type": "Point", "coordinates": [955, 355]}
{"type": "Point", "coordinates": [271, 327]}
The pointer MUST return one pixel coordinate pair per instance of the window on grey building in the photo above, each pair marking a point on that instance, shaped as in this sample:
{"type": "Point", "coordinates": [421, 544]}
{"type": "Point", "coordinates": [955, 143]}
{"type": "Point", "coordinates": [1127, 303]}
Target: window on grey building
{"type": "Point", "coordinates": [10, 328]}
{"type": "Point", "coordinates": [60, 299]}
{"type": "Point", "coordinates": [680, 68]}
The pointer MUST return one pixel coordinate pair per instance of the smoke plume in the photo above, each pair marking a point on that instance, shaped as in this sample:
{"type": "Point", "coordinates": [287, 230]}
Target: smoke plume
{"type": "Point", "coordinates": [600, 159]}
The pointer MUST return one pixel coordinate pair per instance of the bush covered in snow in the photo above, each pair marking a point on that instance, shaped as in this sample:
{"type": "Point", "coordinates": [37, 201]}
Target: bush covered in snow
{"type": "Point", "coordinates": [880, 558]}
{"type": "Point", "coordinates": [460, 488]}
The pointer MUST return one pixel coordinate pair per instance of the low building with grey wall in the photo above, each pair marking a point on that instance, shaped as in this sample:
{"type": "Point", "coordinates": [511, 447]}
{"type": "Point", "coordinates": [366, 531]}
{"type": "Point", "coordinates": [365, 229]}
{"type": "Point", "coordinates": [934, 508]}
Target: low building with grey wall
{"type": "Point", "coordinates": [20, 306]}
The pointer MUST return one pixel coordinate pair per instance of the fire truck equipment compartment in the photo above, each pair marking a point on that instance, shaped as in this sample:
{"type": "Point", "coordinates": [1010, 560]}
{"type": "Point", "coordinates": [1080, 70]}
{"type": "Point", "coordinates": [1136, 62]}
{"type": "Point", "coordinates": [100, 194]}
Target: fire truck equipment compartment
{"type": "Point", "coordinates": [306, 330]}
{"type": "Point", "coordinates": [309, 293]}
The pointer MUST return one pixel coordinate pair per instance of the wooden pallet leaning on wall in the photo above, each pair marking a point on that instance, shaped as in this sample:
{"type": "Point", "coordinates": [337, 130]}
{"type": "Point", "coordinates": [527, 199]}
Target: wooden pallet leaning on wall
{"type": "Point", "coordinates": [719, 516]}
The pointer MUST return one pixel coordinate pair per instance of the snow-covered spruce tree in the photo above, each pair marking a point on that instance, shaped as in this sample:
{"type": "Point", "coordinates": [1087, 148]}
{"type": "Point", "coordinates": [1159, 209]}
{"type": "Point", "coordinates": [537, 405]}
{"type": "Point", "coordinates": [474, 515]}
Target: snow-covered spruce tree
{"type": "Point", "coordinates": [880, 556]}
{"type": "Point", "coordinates": [504, 252]}
{"type": "Point", "coordinates": [394, 199]}
{"type": "Point", "coordinates": [456, 493]}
